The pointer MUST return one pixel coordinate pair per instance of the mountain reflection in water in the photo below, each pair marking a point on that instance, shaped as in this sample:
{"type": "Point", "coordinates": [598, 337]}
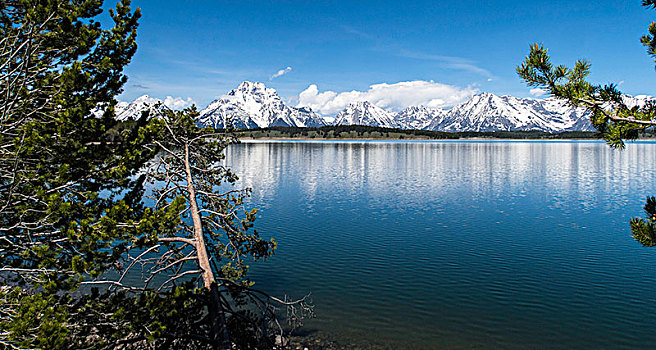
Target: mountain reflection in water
{"type": "Point", "coordinates": [458, 244]}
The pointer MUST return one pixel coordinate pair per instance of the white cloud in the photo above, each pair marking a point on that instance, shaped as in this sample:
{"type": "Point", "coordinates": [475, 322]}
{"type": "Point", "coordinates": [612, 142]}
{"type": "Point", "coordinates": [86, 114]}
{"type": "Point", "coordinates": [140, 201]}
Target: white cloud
{"type": "Point", "coordinates": [280, 73]}
{"type": "Point", "coordinates": [537, 92]}
{"type": "Point", "coordinates": [177, 102]}
{"type": "Point", "coordinates": [393, 97]}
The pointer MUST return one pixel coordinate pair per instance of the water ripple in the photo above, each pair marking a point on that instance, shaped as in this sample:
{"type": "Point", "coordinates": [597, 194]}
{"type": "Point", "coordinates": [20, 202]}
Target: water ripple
{"type": "Point", "coordinates": [460, 245]}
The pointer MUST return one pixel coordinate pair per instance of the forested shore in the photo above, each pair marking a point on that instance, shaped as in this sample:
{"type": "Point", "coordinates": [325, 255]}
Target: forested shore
{"type": "Point", "coordinates": [370, 132]}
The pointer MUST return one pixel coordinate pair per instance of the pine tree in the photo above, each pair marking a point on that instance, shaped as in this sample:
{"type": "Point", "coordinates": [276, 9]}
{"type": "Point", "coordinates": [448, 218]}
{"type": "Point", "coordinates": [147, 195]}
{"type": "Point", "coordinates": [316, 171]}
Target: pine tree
{"type": "Point", "coordinates": [74, 225]}
{"type": "Point", "coordinates": [609, 113]}
{"type": "Point", "coordinates": [61, 170]}
{"type": "Point", "coordinates": [215, 239]}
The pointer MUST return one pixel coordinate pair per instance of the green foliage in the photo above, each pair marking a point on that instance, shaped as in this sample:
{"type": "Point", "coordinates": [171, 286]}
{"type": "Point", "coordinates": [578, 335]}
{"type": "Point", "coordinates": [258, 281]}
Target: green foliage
{"type": "Point", "coordinates": [190, 170]}
{"type": "Point", "coordinates": [643, 229]}
{"type": "Point", "coordinates": [615, 121]}
{"type": "Point", "coordinates": [59, 157]}
{"type": "Point", "coordinates": [70, 199]}
{"type": "Point", "coordinates": [72, 189]}
{"type": "Point", "coordinates": [345, 131]}
{"type": "Point", "coordinates": [371, 132]}
{"type": "Point", "coordinates": [649, 40]}
{"type": "Point", "coordinates": [146, 320]}
{"type": "Point", "coordinates": [39, 319]}
{"type": "Point", "coordinates": [608, 112]}
{"type": "Point", "coordinates": [530, 135]}
{"type": "Point", "coordinates": [227, 226]}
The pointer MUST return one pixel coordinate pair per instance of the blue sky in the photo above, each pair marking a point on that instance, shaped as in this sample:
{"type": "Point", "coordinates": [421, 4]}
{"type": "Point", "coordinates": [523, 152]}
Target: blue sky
{"type": "Point", "coordinates": [199, 50]}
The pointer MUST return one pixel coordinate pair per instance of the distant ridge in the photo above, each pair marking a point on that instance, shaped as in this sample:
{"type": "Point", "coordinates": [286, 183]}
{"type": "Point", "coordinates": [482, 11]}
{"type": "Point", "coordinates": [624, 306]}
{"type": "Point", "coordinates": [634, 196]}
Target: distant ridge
{"type": "Point", "coordinates": [253, 105]}
{"type": "Point", "coordinates": [489, 112]}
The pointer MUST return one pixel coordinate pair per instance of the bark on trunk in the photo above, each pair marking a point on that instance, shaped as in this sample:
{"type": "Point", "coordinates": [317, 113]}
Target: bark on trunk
{"type": "Point", "coordinates": [219, 329]}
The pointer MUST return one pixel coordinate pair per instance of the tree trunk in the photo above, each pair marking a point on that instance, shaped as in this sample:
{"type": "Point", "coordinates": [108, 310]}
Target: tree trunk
{"type": "Point", "coordinates": [219, 331]}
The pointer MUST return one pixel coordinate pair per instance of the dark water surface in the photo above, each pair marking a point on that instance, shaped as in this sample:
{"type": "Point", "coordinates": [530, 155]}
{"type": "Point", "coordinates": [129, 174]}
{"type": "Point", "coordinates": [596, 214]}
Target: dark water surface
{"type": "Point", "coordinates": [423, 245]}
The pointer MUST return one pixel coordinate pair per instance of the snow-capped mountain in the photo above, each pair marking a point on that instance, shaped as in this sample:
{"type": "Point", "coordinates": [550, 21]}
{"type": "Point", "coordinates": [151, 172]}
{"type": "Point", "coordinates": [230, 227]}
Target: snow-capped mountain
{"type": "Point", "coordinates": [418, 117]}
{"type": "Point", "coordinates": [489, 112]}
{"type": "Point", "coordinates": [638, 100]}
{"type": "Point", "coordinates": [133, 110]}
{"type": "Point", "coordinates": [253, 105]}
{"type": "Point", "coordinates": [365, 113]}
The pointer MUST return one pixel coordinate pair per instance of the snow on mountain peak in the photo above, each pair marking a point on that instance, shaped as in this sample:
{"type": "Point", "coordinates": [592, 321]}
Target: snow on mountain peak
{"type": "Point", "coordinates": [489, 112]}
{"type": "Point", "coordinates": [253, 105]}
{"type": "Point", "coordinates": [147, 99]}
{"type": "Point", "coordinates": [133, 110]}
{"type": "Point", "coordinates": [638, 100]}
{"type": "Point", "coordinates": [251, 86]}
{"type": "Point", "coordinates": [418, 117]}
{"type": "Point", "coordinates": [365, 113]}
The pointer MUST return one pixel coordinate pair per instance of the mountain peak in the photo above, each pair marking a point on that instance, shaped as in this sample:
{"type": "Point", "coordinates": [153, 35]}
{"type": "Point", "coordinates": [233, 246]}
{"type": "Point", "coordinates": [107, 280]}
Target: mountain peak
{"type": "Point", "coordinates": [485, 95]}
{"type": "Point", "coordinates": [253, 90]}
{"type": "Point", "coordinates": [489, 112]}
{"type": "Point", "coordinates": [253, 105]}
{"type": "Point", "coordinates": [414, 109]}
{"type": "Point", "coordinates": [147, 99]}
{"type": "Point", "coordinates": [133, 110]}
{"type": "Point", "coordinates": [418, 117]}
{"type": "Point", "coordinates": [365, 113]}
{"type": "Point", "coordinates": [363, 104]}
{"type": "Point", "coordinates": [251, 86]}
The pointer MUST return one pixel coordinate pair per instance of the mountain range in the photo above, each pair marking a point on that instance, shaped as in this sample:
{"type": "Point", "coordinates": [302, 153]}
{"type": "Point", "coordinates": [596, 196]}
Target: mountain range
{"type": "Point", "coordinates": [253, 105]}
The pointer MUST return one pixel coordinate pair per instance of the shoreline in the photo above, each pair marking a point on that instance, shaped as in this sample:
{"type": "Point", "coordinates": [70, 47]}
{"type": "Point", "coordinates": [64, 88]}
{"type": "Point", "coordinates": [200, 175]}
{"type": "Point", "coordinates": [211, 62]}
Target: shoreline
{"type": "Point", "coordinates": [424, 139]}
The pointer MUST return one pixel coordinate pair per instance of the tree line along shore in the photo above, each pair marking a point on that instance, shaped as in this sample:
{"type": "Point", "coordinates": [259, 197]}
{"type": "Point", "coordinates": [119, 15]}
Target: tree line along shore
{"type": "Point", "coordinates": [371, 132]}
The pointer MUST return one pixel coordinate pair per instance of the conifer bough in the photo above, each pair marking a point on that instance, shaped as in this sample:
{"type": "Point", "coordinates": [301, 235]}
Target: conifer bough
{"type": "Point", "coordinates": [609, 113]}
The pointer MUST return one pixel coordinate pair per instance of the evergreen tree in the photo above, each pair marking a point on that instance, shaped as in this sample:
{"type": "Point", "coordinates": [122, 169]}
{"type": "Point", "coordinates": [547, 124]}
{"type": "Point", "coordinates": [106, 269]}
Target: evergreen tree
{"type": "Point", "coordinates": [74, 226]}
{"type": "Point", "coordinates": [214, 239]}
{"type": "Point", "coordinates": [609, 112]}
{"type": "Point", "coordinates": [61, 169]}
{"type": "Point", "coordinates": [181, 282]}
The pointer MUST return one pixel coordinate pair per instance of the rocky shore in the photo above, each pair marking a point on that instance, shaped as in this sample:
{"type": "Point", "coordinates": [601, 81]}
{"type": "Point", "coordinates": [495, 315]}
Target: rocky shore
{"type": "Point", "coordinates": [321, 341]}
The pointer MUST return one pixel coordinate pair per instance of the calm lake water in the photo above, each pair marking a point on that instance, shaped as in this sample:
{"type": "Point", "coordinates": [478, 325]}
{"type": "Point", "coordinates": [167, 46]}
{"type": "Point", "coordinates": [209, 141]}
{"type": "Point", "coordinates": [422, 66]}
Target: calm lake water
{"type": "Point", "coordinates": [422, 245]}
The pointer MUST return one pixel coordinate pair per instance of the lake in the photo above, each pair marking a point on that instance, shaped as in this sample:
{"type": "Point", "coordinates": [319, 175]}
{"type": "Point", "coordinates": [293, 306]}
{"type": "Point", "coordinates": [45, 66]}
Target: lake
{"type": "Point", "coordinates": [458, 244]}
